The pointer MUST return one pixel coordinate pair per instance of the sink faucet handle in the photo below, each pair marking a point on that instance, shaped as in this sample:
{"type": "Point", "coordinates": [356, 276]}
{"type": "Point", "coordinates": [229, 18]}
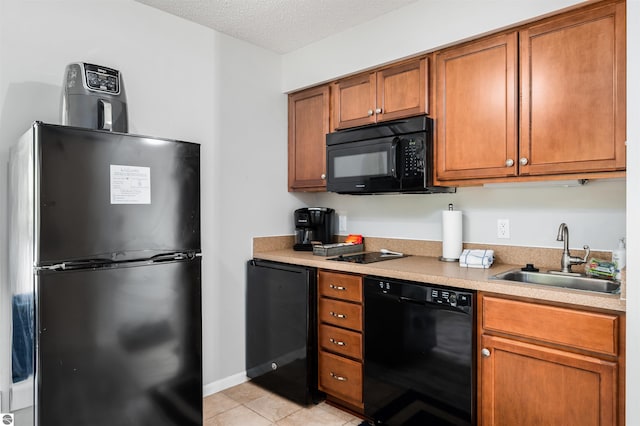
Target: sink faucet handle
{"type": "Point", "coordinates": [586, 255]}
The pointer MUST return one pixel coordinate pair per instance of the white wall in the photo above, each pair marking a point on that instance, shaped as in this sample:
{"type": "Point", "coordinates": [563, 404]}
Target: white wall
{"type": "Point", "coordinates": [249, 181]}
{"type": "Point", "coordinates": [421, 26]}
{"type": "Point", "coordinates": [594, 213]}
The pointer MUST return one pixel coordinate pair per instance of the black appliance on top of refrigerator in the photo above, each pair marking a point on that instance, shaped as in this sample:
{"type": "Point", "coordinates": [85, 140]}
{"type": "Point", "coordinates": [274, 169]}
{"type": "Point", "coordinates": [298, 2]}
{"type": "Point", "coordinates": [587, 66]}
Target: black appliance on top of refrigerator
{"type": "Point", "coordinates": [105, 270]}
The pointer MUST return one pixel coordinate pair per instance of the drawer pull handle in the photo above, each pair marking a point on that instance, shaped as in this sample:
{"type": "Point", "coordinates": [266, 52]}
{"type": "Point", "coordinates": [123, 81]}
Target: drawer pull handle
{"type": "Point", "coordinates": [337, 287]}
{"type": "Point", "coordinates": [337, 342]}
{"type": "Point", "coordinates": [338, 378]}
{"type": "Point", "coordinates": [341, 316]}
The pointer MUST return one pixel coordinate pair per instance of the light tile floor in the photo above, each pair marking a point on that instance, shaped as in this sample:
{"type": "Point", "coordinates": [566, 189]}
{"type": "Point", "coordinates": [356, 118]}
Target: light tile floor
{"type": "Point", "coordinates": [250, 405]}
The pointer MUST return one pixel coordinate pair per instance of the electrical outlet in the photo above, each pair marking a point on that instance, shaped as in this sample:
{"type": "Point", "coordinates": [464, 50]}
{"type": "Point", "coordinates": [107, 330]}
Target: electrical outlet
{"type": "Point", "coordinates": [503, 229]}
{"type": "Point", "coordinates": [342, 222]}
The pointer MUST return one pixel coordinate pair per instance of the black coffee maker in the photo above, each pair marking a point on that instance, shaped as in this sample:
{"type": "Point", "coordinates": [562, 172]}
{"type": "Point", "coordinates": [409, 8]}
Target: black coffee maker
{"type": "Point", "coordinates": [314, 225]}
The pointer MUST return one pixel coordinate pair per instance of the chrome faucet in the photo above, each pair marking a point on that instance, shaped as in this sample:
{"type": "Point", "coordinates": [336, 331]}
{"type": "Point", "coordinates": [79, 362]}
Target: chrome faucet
{"type": "Point", "coordinates": [567, 260]}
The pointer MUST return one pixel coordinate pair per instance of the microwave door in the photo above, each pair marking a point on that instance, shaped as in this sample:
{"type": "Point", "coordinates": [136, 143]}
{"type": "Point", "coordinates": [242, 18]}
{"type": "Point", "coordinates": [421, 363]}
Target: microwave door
{"type": "Point", "coordinates": [362, 167]}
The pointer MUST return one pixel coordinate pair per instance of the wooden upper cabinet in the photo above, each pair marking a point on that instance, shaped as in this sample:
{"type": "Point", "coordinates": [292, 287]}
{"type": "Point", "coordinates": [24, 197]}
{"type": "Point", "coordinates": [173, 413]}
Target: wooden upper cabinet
{"type": "Point", "coordinates": [476, 109]}
{"type": "Point", "coordinates": [402, 91]}
{"type": "Point", "coordinates": [573, 73]}
{"type": "Point", "coordinates": [569, 74]}
{"type": "Point", "coordinates": [354, 101]}
{"type": "Point", "coordinates": [308, 127]}
{"type": "Point", "coordinates": [391, 93]}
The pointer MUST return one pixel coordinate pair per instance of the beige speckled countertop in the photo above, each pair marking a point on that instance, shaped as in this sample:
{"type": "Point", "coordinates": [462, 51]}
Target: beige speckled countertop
{"type": "Point", "coordinates": [428, 269]}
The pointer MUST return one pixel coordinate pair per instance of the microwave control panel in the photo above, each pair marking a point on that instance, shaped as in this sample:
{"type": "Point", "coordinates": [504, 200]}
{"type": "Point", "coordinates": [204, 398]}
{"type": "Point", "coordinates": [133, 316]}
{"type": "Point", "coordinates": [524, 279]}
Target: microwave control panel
{"type": "Point", "coordinates": [412, 157]}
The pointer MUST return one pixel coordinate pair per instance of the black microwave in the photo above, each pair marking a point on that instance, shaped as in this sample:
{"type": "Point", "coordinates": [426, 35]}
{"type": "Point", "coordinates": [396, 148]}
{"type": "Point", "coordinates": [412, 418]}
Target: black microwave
{"type": "Point", "coordinates": [392, 157]}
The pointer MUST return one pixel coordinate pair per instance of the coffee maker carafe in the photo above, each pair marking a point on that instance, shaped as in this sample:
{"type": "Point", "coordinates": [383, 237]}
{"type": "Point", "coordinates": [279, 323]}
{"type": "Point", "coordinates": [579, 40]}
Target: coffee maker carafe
{"type": "Point", "coordinates": [314, 225]}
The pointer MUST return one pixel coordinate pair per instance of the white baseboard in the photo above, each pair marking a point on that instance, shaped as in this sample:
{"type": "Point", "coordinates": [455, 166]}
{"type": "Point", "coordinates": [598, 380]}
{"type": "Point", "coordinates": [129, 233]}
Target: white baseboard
{"type": "Point", "coordinates": [222, 384]}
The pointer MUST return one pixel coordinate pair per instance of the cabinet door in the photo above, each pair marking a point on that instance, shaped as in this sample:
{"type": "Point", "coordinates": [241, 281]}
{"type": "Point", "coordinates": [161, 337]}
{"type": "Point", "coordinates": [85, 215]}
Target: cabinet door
{"type": "Point", "coordinates": [308, 127]}
{"type": "Point", "coordinates": [354, 101]}
{"type": "Point", "coordinates": [476, 110]}
{"type": "Point", "coordinates": [402, 91]}
{"type": "Point", "coordinates": [573, 93]}
{"type": "Point", "coordinates": [526, 384]}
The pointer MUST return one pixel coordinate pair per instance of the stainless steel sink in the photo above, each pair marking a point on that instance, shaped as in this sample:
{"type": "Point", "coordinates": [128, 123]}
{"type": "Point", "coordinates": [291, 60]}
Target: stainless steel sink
{"type": "Point", "coordinates": [558, 279]}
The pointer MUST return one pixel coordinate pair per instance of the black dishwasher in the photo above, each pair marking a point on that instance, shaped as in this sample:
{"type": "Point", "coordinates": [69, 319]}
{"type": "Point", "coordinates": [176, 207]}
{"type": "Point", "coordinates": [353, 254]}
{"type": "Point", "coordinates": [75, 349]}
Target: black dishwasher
{"type": "Point", "coordinates": [281, 337]}
{"type": "Point", "coordinates": [418, 353]}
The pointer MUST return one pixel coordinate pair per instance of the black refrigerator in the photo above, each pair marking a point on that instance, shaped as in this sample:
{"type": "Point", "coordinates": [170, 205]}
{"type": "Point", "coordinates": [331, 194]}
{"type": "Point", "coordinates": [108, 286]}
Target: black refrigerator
{"type": "Point", "coordinates": [105, 271]}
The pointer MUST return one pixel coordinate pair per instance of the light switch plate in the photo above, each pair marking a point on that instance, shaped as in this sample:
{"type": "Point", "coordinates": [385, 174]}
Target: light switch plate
{"type": "Point", "coordinates": [342, 222]}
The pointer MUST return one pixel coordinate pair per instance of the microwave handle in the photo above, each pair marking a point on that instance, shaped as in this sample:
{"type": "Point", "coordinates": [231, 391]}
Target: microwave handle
{"type": "Point", "coordinates": [394, 157]}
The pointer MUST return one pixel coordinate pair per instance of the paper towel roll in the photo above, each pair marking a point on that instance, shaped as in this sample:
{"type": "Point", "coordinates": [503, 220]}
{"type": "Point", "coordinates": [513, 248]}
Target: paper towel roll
{"type": "Point", "coordinates": [451, 234]}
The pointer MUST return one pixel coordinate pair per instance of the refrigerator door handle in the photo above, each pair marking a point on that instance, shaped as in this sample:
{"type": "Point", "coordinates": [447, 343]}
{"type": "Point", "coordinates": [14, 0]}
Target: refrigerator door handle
{"type": "Point", "coordinates": [167, 257]}
{"type": "Point", "coordinates": [88, 263]}
{"type": "Point", "coordinates": [56, 267]}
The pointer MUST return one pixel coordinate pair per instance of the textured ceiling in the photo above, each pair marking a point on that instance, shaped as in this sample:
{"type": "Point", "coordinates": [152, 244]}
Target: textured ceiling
{"type": "Point", "coordinates": [278, 25]}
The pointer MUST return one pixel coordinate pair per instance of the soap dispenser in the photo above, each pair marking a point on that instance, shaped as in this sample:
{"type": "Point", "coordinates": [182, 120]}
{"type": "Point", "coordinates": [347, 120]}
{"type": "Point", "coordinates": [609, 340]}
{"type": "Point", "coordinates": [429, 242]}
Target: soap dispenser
{"type": "Point", "coordinates": [619, 257]}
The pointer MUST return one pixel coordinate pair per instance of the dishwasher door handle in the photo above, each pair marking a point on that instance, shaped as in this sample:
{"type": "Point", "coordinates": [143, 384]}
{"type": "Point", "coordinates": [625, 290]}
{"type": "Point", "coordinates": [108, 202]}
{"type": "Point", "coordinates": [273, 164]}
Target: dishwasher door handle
{"type": "Point", "coordinates": [409, 300]}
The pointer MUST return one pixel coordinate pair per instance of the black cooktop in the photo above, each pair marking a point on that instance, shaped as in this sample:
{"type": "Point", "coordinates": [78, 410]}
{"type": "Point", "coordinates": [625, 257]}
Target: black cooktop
{"type": "Point", "coordinates": [368, 257]}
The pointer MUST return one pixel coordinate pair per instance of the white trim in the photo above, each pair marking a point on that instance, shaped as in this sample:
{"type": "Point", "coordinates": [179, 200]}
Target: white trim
{"type": "Point", "coordinates": [222, 384]}
{"type": "Point", "coordinates": [21, 394]}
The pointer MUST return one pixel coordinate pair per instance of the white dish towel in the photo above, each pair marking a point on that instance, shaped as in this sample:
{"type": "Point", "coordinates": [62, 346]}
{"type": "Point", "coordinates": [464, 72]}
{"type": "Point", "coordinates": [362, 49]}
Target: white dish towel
{"type": "Point", "coordinates": [476, 258]}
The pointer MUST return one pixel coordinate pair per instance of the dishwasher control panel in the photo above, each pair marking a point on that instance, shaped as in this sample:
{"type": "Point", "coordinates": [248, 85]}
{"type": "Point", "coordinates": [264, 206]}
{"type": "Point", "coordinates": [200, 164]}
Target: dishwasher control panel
{"type": "Point", "coordinates": [415, 292]}
{"type": "Point", "coordinates": [450, 297]}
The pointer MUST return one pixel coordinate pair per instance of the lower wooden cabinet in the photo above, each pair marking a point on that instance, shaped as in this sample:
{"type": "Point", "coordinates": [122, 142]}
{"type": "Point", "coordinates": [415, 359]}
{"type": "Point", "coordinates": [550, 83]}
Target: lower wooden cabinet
{"type": "Point", "coordinates": [527, 384]}
{"type": "Point", "coordinates": [548, 365]}
{"type": "Point", "coordinates": [340, 338]}
{"type": "Point", "coordinates": [341, 341]}
{"type": "Point", "coordinates": [341, 377]}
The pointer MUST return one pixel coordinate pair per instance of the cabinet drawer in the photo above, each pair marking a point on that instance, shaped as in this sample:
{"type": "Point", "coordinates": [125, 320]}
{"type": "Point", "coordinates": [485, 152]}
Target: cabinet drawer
{"type": "Point", "coordinates": [340, 377]}
{"type": "Point", "coordinates": [340, 286]}
{"type": "Point", "coordinates": [342, 314]}
{"type": "Point", "coordinates": [589, 331]}
{"type": "Point", "coordinates": [345, 342]}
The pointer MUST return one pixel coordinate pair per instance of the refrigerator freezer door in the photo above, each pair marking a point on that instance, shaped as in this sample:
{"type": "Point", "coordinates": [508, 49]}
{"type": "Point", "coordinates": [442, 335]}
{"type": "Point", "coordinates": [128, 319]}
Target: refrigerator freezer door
{"type": "Point", "coordinates": [112, 195]}
{"type": "Point", "coordinates": [120, 346]}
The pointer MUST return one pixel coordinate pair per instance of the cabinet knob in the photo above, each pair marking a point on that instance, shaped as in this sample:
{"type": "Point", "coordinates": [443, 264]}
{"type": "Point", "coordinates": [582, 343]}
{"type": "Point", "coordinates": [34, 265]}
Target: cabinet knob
{"type": "Point", "coordinates": [509, 162]}
{"type": "Point", "coordinates": [323, 176]}
{"type": "Point", "coordinates": [524, 161]}
{"type": "Point", "coordinates": [378, 110]}
{"type": "Point", "coordinates": [485, 352]}
{"type": "Point", "coordinates": [370, 112]}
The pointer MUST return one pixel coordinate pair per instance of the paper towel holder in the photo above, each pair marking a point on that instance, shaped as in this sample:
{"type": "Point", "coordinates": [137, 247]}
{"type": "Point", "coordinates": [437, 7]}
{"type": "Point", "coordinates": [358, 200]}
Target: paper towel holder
{"type": "Point", "coordinates": [448, 259]}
